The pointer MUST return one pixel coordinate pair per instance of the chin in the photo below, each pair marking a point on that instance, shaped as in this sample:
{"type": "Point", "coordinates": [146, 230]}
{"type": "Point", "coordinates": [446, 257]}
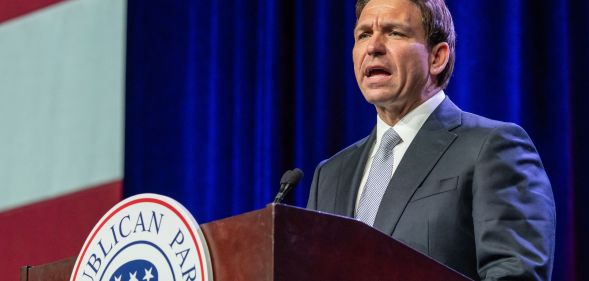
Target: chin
{"type": "Point", "coordinates": [379, 97]}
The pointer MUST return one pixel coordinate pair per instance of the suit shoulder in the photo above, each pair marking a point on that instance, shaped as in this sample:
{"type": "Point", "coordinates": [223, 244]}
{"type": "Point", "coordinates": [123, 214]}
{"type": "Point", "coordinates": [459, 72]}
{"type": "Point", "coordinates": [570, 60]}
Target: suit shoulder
{"type": "Point", "coordinates": [485, 133]}
{"type": "Point", "coordinates": [473, 123]}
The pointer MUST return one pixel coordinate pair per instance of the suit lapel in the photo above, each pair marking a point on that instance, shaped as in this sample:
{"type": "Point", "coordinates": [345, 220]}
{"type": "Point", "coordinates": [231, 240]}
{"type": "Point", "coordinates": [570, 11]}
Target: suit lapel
{"type": "Point", "coordinates": [429, 145]}
{"type": "Point", "coordinates": [350, 174]}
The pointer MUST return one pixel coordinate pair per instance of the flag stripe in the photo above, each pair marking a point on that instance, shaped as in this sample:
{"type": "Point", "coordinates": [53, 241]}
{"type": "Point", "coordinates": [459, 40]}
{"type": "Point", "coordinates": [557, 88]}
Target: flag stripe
{"type": "Point", "coordinates": [52, 229]}
{"type": "Point", "coordinates": [61, 100]}
{"type": "Point", "coordinates": [10, 9]}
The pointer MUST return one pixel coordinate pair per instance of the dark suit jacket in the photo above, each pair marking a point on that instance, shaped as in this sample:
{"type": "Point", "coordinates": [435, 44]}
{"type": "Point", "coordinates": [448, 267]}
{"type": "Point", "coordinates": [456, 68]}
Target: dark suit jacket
{"type": "Point", "coordinates": [470, 192]}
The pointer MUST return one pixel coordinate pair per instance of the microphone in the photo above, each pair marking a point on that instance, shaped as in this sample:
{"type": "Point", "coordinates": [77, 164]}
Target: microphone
{"type": "Point", "coordinates": [289, 179]}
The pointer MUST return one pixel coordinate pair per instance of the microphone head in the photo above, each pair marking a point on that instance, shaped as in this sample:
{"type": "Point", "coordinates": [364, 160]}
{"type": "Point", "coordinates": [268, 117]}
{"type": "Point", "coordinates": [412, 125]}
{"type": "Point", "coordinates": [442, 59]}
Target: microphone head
{"type": "Point", "coordinates": [291, 177]}
{"type": "Point", "coordinates": [295, 176]}
{"type": "Point", "coordinates": [285, 177]}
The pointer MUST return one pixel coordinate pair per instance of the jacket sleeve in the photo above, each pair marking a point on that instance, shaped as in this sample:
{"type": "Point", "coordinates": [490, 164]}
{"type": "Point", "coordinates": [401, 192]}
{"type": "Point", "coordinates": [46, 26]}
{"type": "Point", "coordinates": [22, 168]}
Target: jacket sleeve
{"type": "Point", "coordinates": [513, 209]}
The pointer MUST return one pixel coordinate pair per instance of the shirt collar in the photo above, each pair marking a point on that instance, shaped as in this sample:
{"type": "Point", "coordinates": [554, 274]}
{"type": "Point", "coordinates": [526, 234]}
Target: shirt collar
{"type": "Point", "coordinates": [410, 124]}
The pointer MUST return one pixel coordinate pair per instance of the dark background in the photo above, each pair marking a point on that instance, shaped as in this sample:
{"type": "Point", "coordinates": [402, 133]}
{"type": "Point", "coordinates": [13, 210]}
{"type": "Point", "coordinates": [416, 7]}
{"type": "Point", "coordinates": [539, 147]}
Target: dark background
{"type": "Point", "coordinates": [224, 96]}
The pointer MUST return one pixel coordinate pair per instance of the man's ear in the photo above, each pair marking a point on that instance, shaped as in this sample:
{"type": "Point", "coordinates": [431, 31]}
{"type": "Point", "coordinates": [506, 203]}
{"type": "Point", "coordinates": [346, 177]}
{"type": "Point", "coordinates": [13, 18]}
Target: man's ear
{"type": "Point", "coordinates": [438, 58]}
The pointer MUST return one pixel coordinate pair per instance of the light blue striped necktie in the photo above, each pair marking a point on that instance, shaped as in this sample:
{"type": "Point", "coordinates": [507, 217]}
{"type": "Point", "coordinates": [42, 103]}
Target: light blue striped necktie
{"type": "Point", "coordinates": [379, 176]}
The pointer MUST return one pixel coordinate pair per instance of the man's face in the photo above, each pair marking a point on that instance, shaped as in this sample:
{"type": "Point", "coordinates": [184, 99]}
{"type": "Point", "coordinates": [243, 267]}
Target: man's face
{"type": "Point", "coordinates": [391, 53]}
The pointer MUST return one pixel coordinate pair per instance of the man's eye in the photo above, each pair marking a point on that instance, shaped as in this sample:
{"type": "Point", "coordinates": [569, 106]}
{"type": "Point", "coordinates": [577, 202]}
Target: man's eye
{"type": "Point", "coordinates": [363, 35]}
{"type": "Point", "coordinates": [397, 34]}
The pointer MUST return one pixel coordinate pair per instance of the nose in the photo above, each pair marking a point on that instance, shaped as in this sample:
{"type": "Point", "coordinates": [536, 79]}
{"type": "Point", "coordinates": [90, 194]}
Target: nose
{"type": "Point", "coordinates": [376, 45]}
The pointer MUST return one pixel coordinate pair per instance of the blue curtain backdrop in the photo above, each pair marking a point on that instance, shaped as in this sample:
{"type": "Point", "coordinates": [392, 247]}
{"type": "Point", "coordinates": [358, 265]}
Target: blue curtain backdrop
{"type": "Point", "coordinates": [224, 96]}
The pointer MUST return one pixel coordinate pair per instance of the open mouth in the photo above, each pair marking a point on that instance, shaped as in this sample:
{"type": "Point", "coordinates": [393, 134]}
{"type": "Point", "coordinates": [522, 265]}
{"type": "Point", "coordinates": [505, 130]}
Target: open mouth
{"type": "Point", "coordinates": [376, 71]}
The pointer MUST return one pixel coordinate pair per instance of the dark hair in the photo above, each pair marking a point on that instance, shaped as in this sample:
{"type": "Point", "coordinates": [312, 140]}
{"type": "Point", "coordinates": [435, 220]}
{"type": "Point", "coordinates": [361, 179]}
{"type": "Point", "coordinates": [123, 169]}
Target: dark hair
{"type": "Point", "coordinates": [438, 26]}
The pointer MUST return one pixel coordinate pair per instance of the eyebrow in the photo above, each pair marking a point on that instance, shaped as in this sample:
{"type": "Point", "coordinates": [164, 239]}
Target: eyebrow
{"type": "Point", "coordinates": [385, 26]}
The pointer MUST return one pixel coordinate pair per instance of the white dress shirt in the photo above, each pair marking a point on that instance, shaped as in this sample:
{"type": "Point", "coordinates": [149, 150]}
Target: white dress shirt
{"type": "Point", "coordinates": [407, 129]}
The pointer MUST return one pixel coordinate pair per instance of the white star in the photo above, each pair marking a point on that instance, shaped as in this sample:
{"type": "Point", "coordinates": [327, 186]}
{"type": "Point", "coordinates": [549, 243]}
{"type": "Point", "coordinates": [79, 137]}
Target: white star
{"type": "Point", "coordinates": [148, 275]}
{"type": "Point", "coordinates": [118, 278]}
{"type": "Point", "coordinates": [132, 277]}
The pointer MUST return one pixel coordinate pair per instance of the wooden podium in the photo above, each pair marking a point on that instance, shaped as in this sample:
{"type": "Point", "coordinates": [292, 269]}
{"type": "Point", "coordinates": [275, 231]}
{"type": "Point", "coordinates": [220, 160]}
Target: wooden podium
{"type": "Point", "coordinates": [285, 243]}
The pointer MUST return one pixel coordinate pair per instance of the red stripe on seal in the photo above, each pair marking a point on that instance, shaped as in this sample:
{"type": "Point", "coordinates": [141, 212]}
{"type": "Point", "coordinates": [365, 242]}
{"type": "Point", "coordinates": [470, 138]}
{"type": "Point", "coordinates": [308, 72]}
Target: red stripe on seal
{"type": "Point", "coordinates": [141, 200]}
{"type": "Point", "coordinates": [10, 9]}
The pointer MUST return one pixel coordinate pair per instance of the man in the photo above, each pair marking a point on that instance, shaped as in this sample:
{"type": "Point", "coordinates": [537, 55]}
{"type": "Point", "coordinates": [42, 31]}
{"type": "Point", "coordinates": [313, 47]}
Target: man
{"type": "Point", "coordinates": [468, 191]}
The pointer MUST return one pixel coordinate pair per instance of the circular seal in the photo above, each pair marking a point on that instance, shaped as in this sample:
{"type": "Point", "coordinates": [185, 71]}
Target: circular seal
{"type": "Point", "coordinates": [147, 237]}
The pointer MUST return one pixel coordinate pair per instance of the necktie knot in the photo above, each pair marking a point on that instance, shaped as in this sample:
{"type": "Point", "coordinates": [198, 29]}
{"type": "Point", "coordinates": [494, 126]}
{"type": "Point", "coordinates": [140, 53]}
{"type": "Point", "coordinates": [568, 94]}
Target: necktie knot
{"type": "Point", "coordinates": [390, 139]}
